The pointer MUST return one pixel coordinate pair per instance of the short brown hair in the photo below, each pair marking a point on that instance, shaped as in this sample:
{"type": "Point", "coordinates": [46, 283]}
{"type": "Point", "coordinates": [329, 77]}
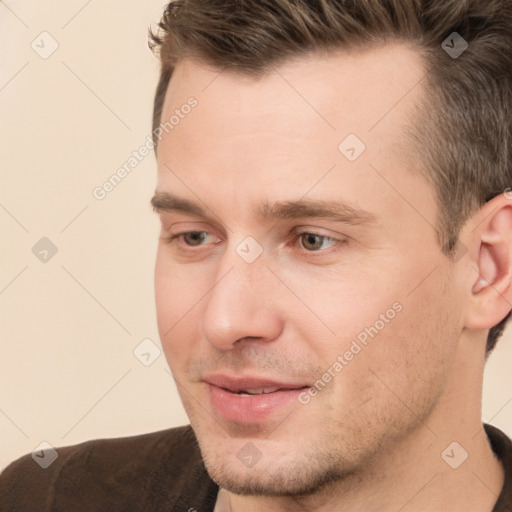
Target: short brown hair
{"type": "Point", "coordinates": [463, 130]}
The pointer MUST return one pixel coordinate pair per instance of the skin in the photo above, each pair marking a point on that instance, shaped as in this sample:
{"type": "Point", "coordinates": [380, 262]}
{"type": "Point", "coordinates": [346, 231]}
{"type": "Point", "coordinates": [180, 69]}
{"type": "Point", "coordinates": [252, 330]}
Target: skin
{"type": "Point", "coordinates": [372, 439]}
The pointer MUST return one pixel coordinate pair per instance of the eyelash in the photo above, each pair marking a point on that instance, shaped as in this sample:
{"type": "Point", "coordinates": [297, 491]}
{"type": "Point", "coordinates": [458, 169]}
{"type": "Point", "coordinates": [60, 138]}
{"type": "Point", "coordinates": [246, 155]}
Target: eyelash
{"type": "Point", "coordinates": [297, 236]}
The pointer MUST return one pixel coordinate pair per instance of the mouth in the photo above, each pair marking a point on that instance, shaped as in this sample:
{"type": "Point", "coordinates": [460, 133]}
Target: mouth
{"type": "Point", "coordinates": [257, 391]}
{"type": "Point", "coordinates": [251, 399]}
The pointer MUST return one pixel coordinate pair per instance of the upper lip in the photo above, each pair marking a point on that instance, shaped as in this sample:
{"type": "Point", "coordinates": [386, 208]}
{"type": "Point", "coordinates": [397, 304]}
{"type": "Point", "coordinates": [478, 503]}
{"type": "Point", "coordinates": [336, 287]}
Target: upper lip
{"type": "Point", "coordinates": [237, 384]}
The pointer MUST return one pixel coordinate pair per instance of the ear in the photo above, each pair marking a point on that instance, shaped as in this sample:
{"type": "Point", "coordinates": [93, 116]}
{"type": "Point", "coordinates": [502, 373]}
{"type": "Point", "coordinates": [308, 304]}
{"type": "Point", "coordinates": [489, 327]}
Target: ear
{"type": "Point", "coordinates": [491, 261]}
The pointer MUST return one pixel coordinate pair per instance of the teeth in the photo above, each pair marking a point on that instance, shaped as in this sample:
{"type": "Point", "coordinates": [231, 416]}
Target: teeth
{"type": "Point", "coordinates": [257, 391]}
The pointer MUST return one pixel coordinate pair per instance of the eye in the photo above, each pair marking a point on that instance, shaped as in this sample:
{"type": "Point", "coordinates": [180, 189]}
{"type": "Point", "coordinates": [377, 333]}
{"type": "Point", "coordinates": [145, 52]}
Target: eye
{"type": "Point", "coordinates": [315, 242]}
{"type": "Point", "coordinates": [194, 238]}
{"type": "Point", "coordinates": [190, 238]}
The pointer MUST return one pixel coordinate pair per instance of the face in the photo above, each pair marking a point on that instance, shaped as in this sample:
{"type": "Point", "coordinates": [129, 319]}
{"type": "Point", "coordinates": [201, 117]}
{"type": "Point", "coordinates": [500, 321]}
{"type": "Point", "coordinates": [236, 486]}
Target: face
{"type": "Point", "coordinates": [300, 263]}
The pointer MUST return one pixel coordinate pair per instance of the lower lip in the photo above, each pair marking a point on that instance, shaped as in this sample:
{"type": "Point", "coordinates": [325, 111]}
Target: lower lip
{"type": "Point", "coordinates": [253, 408]}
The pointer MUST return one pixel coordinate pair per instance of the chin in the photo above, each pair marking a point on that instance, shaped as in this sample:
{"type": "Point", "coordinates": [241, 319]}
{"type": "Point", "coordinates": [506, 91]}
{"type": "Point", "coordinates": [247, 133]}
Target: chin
{"type": "Point", "coordinates": [300, 477]}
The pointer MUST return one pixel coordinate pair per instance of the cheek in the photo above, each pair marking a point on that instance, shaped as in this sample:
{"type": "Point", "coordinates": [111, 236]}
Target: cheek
{"type": "Point", "coordinates": [178, 288]}
{"type": "Point", "coordinates": [338, 307]}
{"type": "Point", "coordinates": [386, 335]}
{"type": "Point", "coordinates": [409, 361]}
{"type": "Point", "coordinates": [175, 296]}
{"type": "Point", "coordinates": [166, 294]}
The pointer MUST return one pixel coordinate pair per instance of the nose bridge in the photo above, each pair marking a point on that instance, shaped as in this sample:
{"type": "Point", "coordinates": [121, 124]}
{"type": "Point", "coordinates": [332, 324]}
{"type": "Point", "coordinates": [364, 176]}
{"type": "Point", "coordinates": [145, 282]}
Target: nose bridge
{"type": "Point", "coordinates": [240, 303]}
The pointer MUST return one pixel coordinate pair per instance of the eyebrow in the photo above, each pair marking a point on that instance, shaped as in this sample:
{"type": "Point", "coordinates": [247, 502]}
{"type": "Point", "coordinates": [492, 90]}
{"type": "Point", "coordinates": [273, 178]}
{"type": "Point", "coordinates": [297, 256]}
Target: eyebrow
{"type": "Point", "coordinates": [338, 211]}
{"type": "Point", "coordinates": [163, 202]}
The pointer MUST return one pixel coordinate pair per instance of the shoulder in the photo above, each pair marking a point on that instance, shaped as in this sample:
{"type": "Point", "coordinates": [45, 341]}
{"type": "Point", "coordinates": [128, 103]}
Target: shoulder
{"type": "Point", "coordinates": [131, 473]}
{"type": "Point", "coordinates": [502, 448]}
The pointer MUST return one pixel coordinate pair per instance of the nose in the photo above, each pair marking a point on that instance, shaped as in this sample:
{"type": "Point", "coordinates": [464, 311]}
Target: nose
{"type": "Point", "coordinates": [242, 305]}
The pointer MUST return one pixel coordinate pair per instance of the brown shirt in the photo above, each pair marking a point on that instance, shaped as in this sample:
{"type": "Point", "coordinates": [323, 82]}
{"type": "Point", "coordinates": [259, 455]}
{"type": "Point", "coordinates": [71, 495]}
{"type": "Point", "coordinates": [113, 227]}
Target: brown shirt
{"type": "Point", "coordinates": [162, 471]}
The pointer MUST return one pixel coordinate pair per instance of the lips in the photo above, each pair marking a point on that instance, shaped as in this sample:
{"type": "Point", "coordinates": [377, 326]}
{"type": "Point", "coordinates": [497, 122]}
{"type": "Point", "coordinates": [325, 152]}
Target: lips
{"type": "Point", "coordinates": [251, 399]}
{"type": "Point", "coordinates": [252, 385]}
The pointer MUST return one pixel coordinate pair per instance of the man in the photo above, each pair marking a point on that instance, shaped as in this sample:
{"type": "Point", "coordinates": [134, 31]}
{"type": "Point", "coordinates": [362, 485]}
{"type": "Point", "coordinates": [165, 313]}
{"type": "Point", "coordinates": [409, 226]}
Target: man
{"type": "Point", "coordinates": [335, 264]}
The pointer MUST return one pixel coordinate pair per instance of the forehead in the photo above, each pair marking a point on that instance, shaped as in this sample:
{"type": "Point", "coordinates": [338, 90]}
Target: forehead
{"type": "Point", "coordinates": [285, 130]}
{"type": "Point", "coordinates": [353, 88]}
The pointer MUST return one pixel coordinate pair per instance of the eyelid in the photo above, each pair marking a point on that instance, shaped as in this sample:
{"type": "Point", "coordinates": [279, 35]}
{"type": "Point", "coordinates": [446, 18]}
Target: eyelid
{"type": "Point", "coordinates": [324, 232]}
{"type": "Point", "coordinates": [179, 220]}
{"type": "Point", "coordinates": [176, 237]}
{"type": "Point", "coordinates": [187, 226]}
{"type": "Point", "coordinates": [335, 243]}
{"type": "Point", "coordinates": [330, 233]}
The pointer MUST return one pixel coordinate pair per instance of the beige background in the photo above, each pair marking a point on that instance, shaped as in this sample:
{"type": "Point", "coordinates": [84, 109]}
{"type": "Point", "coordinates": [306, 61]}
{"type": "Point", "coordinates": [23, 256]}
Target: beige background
{"type": "Point", "coordinates": [70, 325]}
